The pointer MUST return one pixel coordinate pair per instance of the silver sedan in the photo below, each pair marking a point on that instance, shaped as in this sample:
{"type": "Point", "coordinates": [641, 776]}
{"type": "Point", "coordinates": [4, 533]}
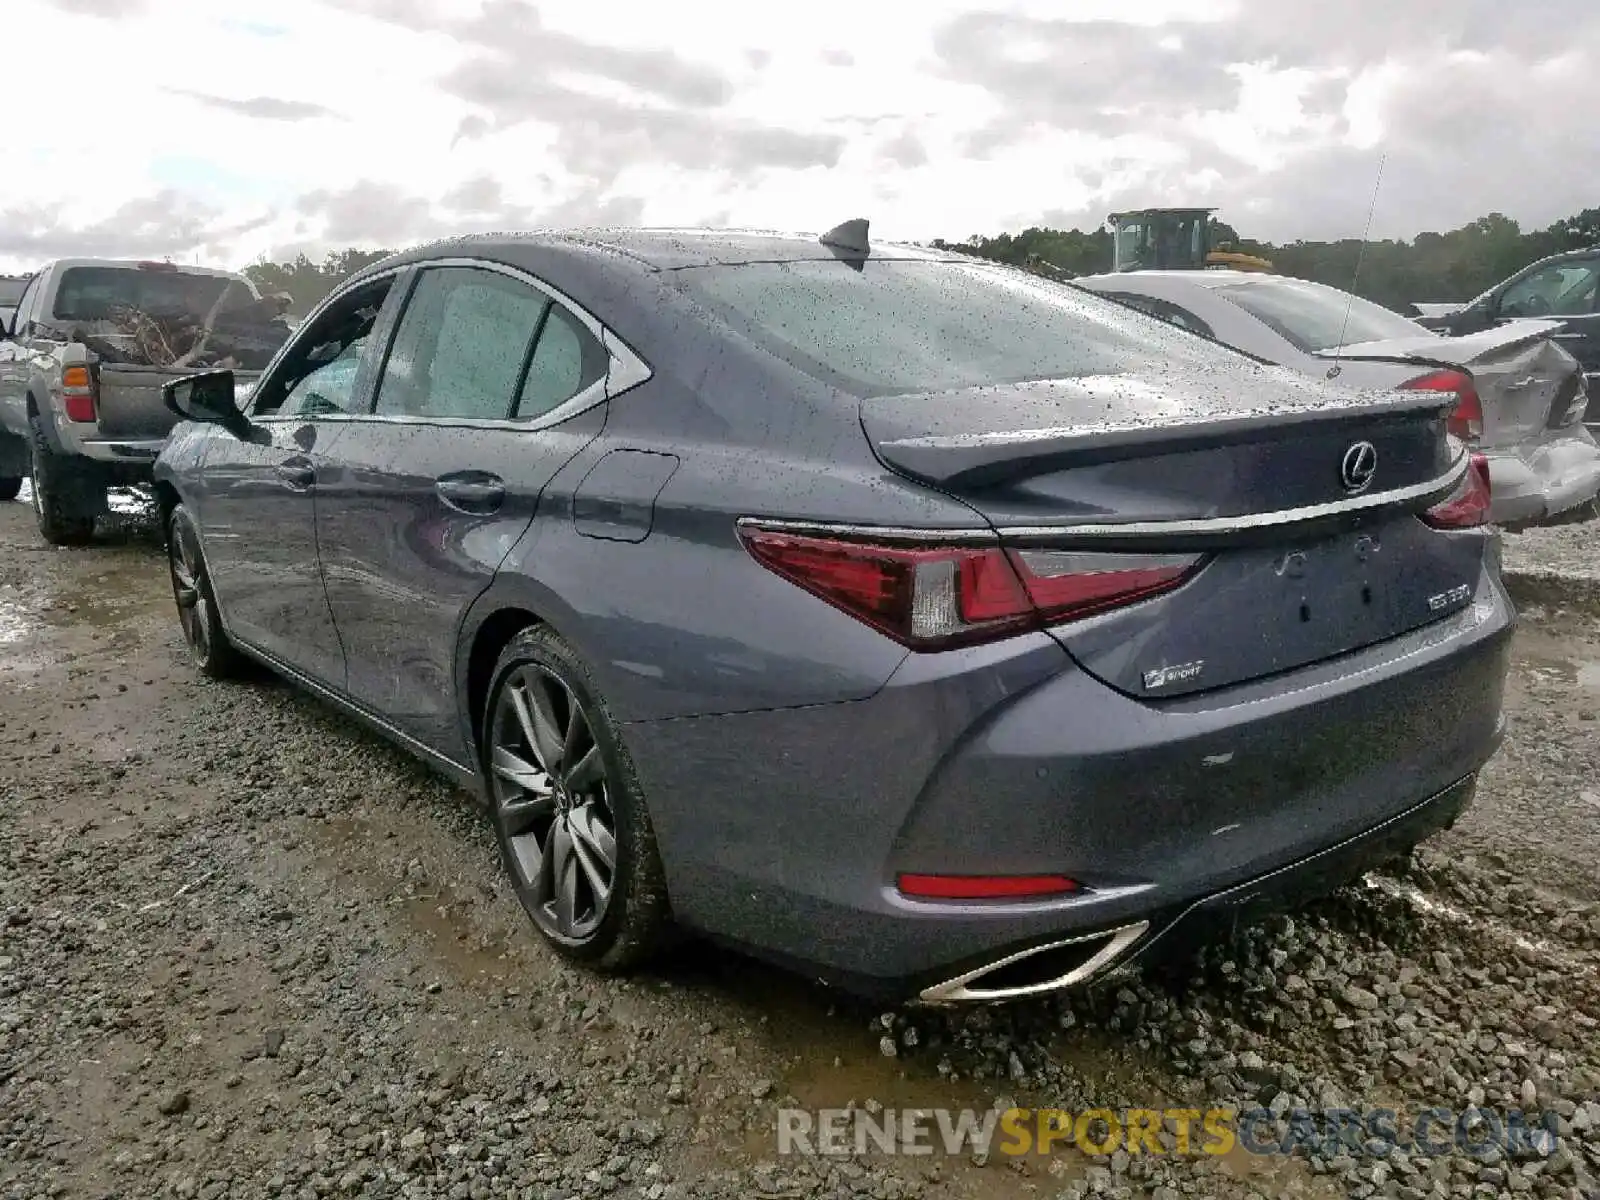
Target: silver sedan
{"type": "Point", "coordinates": [1522, 396]}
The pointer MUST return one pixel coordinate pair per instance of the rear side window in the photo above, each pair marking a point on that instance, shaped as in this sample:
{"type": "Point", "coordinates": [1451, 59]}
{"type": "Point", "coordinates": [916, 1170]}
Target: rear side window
{"type": "Point", "coordinates": [899, 326]}
{"type": "Point", "coordinates": [461, 345]}
{"type": "Point", "coordinates": [1172, 314]}
{"type": "Point", "coordinates": [566, 360]}
{"type": "Point", "coordinates": [1311, 317]}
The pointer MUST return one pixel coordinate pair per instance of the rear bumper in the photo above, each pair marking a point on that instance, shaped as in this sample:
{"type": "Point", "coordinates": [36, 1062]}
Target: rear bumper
{"type": "Point", "coordinates": [1560, 473]}
{"type": "Point", "coordinates": [84, 439]}
{"type": "Point", "coordinates": [1221, 914]}
{"type": "Point", "coordinates": [784, 831]}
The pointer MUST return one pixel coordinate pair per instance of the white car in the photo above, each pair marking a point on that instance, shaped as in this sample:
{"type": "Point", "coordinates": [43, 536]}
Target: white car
{"type": "Point", "coordinates": [1522, 397]}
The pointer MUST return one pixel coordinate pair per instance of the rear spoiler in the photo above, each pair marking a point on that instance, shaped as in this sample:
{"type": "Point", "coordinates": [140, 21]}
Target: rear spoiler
{"type": "Point", "coordinates": [976, 459]}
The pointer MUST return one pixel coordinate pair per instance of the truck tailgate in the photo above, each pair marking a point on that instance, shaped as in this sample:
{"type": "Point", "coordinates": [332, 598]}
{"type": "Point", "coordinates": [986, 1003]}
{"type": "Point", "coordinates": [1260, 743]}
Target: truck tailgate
{"type": "Point", "coordinates": [129, 405]}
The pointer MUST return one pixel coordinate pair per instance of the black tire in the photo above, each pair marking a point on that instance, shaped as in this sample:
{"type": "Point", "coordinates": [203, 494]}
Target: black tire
{"type": "Point", "coordinates": [550, 836]}
{"type": "Point", "coordinates": [66, 497]}
{"type": "Point", "coordinates": [198, 616]}
{"type": "Point", "coordinates": [10, 487]}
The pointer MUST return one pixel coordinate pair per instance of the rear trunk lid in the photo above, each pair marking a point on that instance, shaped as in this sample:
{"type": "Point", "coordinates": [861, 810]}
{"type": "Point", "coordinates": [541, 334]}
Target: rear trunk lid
{"type": "Point", "coordinates": [1261, 475]}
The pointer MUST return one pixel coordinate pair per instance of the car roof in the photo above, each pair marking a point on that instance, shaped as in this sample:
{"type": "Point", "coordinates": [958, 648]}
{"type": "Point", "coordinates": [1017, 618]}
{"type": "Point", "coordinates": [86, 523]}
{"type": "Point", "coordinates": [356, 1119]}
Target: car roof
{"type": "Point", "coordinates": [1208, 278]}
{"type": "Point", "coordinates": [671, 249]}
{"type": "Point", "coordinates": [132, 264]}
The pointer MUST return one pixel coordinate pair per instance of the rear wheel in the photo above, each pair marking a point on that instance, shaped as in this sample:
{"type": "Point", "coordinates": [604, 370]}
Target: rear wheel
{"type": "Point", "coordinates": [197, 603]}
{"type": "Point", "coordinates": [66, 496]}
{"type": "Point", "coordinates": [10, 487]}
{"type": "Point", "coordinates": [568, 812]}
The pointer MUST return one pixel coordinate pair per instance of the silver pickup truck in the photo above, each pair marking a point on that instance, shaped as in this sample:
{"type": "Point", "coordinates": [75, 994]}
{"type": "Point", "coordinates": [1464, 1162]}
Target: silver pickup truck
{"type": "Point", "coordinates": [82, 362]}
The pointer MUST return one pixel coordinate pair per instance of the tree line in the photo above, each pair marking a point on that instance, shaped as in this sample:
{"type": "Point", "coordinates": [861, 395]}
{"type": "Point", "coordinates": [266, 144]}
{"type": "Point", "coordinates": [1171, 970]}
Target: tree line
{"type": "Point", "coordinates": [1431, 267]}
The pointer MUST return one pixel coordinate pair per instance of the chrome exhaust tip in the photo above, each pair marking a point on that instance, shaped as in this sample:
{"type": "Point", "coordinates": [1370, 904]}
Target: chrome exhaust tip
{"type": "Point", "coordinates": [1062, 964]}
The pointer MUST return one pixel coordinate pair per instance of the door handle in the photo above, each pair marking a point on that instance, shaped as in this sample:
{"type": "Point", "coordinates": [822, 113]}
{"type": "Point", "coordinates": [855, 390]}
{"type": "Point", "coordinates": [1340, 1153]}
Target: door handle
{"type": "Point", "coordinates": [297, 473]}
{"type": "Point", "coordinates": [475, 493]}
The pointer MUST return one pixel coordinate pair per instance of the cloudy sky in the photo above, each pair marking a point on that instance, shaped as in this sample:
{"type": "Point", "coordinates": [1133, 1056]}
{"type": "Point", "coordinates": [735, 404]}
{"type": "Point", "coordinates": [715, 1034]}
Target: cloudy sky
{"type": "Point", "coordinates": [223, 130]}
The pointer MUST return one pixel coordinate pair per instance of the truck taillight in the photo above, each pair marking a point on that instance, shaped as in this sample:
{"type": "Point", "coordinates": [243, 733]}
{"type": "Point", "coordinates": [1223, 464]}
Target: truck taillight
{"type": "Point", "coordinates": [934, 597]}
{"type": "Point", "coordinates": [1466, 419]}
{"type": "Point", "coordinates": [77, 393]}
{"type": "Point", "coordinates": [1467, 506]}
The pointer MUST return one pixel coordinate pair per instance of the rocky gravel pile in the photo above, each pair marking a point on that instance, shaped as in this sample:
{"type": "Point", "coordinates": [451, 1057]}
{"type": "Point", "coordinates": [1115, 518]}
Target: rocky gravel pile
{"type": "Point", "coordinates": [246, 950]}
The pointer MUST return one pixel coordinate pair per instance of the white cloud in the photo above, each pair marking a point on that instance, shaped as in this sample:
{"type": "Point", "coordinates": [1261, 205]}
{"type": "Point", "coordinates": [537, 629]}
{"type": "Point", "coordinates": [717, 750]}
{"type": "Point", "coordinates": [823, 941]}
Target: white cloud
{"type": "Point", "coordinates": [224, 132]}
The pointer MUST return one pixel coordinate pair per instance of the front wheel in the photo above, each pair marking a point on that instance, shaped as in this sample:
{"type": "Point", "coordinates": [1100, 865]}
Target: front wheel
{"type": "Point", "coordinates": [568, 812]}
{"type": "Point", "coordinates": [197, 603]}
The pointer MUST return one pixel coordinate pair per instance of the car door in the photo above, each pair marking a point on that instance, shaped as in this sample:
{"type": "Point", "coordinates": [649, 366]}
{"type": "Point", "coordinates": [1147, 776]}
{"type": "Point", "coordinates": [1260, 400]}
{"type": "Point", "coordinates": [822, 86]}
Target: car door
{"type": "Point", "coordinates": [257, 515]}
{"type": "Point", "coordinates": [491, 383]}
{"type": "Point", "coordinates": [15, 361]}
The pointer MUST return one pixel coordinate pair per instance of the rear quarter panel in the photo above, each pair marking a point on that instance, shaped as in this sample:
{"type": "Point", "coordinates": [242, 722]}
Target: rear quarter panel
{"type": "Point", "coordinates": [684, 621]}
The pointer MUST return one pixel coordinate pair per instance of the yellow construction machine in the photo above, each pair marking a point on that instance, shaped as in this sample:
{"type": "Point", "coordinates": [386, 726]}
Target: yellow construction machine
{"type": "Point", "coordinates": [1173, 239]}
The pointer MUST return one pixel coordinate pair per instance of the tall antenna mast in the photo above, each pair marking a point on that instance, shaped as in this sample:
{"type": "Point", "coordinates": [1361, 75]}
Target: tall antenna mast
{"type": "Point", "coordinates": [1355, 278]}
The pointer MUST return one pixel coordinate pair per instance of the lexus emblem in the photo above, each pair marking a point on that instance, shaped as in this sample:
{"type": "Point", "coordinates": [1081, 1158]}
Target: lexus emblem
{"type": "Point", "coordinates": [1359, 465]}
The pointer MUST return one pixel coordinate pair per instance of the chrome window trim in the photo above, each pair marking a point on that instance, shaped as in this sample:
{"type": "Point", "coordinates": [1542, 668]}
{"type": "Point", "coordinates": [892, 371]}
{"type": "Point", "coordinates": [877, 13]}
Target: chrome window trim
{"type": "Point", "coordinates": [626, 369]}
{"type": "Point", "coordinates": [1438, 486]}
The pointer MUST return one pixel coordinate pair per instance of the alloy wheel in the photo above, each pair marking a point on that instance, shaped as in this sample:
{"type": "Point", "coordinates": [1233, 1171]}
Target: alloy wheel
{"type": "Point", "coordinates": [188, 580]}
{"type": "Point", "coordinates": [552, 802]}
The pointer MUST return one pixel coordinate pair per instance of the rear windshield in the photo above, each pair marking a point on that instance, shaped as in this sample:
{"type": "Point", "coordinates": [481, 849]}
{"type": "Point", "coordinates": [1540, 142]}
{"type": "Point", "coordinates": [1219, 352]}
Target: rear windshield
{"type": "Point", "coordinates": [899, 326]}
{"type": "Point", "coordinates": [1311, 317]}
{"type": "Point", "coordinates": [99, 293]}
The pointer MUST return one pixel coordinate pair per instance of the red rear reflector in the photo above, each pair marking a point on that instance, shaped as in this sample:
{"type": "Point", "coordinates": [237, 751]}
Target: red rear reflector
{"type": "Point", "coordinates": [79, 408]}
{"type": "Point", "coordinates": [937, 596]}
{"type": "Point", "coordinates": [1468, 506]}
{"type": "Point", "coordinates": [1466, 420]}
{"type": "Point", "coordinates": [983, 887]}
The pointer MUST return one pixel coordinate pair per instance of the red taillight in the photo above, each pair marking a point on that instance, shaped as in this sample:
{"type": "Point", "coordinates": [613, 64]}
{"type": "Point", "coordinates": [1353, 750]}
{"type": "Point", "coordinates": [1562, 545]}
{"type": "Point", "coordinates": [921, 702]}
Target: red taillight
{"type": "Point", "coordinates": [1466, 419]}
{"type": "Point", "coordinates": [983, 887]}
{"type": "Point", "coordinates": [932, 597]}
{"type": "Point", "coordinates": [77, 393]}
{"type": "Point", "coordinates": [1467, 506]}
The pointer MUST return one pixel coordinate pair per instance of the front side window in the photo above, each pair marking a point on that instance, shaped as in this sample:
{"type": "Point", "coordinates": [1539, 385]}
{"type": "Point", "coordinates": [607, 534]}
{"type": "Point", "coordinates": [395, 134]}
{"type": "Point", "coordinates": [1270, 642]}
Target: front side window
{"type": "Point", "coordinates": [1312, 317]}
{"type": "Point", "coordinates": [1564, 289]}
{"type": "Point", "coordinates": [462, 345]}
{"type": "Point", "coordinates": [318, 373]}
{"type": "Point", "coordinates": [26, 304]}
{"type": "Point", "coordinates": [902, 326]}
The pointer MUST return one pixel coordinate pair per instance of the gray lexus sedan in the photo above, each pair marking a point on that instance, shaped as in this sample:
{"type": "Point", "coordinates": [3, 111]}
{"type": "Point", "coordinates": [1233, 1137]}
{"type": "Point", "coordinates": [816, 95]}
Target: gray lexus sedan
{"type": "Point", "coordinates": [942, 632]}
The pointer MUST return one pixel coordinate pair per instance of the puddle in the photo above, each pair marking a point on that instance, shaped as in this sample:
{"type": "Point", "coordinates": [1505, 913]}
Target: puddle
{"type": "Point", "coordinates": [442, 914]}
{"type": "Point", "coordinates": [13, 621]}
{"type": "Point", "coordinates": [1566, 659]}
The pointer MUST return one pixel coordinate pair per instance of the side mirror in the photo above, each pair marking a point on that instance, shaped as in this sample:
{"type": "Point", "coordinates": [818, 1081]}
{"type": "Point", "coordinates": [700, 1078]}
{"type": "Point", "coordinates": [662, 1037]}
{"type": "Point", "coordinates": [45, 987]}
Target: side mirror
{"type": "Point", "coordinates": [209, 398]}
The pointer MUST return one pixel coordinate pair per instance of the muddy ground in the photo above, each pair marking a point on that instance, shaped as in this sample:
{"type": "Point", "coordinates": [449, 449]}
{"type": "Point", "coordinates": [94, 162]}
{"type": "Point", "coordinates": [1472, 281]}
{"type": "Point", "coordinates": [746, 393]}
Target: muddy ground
{"type": "Point", "coordinates": [248, 950]}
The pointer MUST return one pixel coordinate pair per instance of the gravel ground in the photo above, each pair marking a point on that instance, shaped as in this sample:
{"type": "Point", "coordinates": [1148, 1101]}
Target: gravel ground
{"type": "Point", "coordinates": [247, 950]}
{"type": "Point", "coordinates": [1569, 552]}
